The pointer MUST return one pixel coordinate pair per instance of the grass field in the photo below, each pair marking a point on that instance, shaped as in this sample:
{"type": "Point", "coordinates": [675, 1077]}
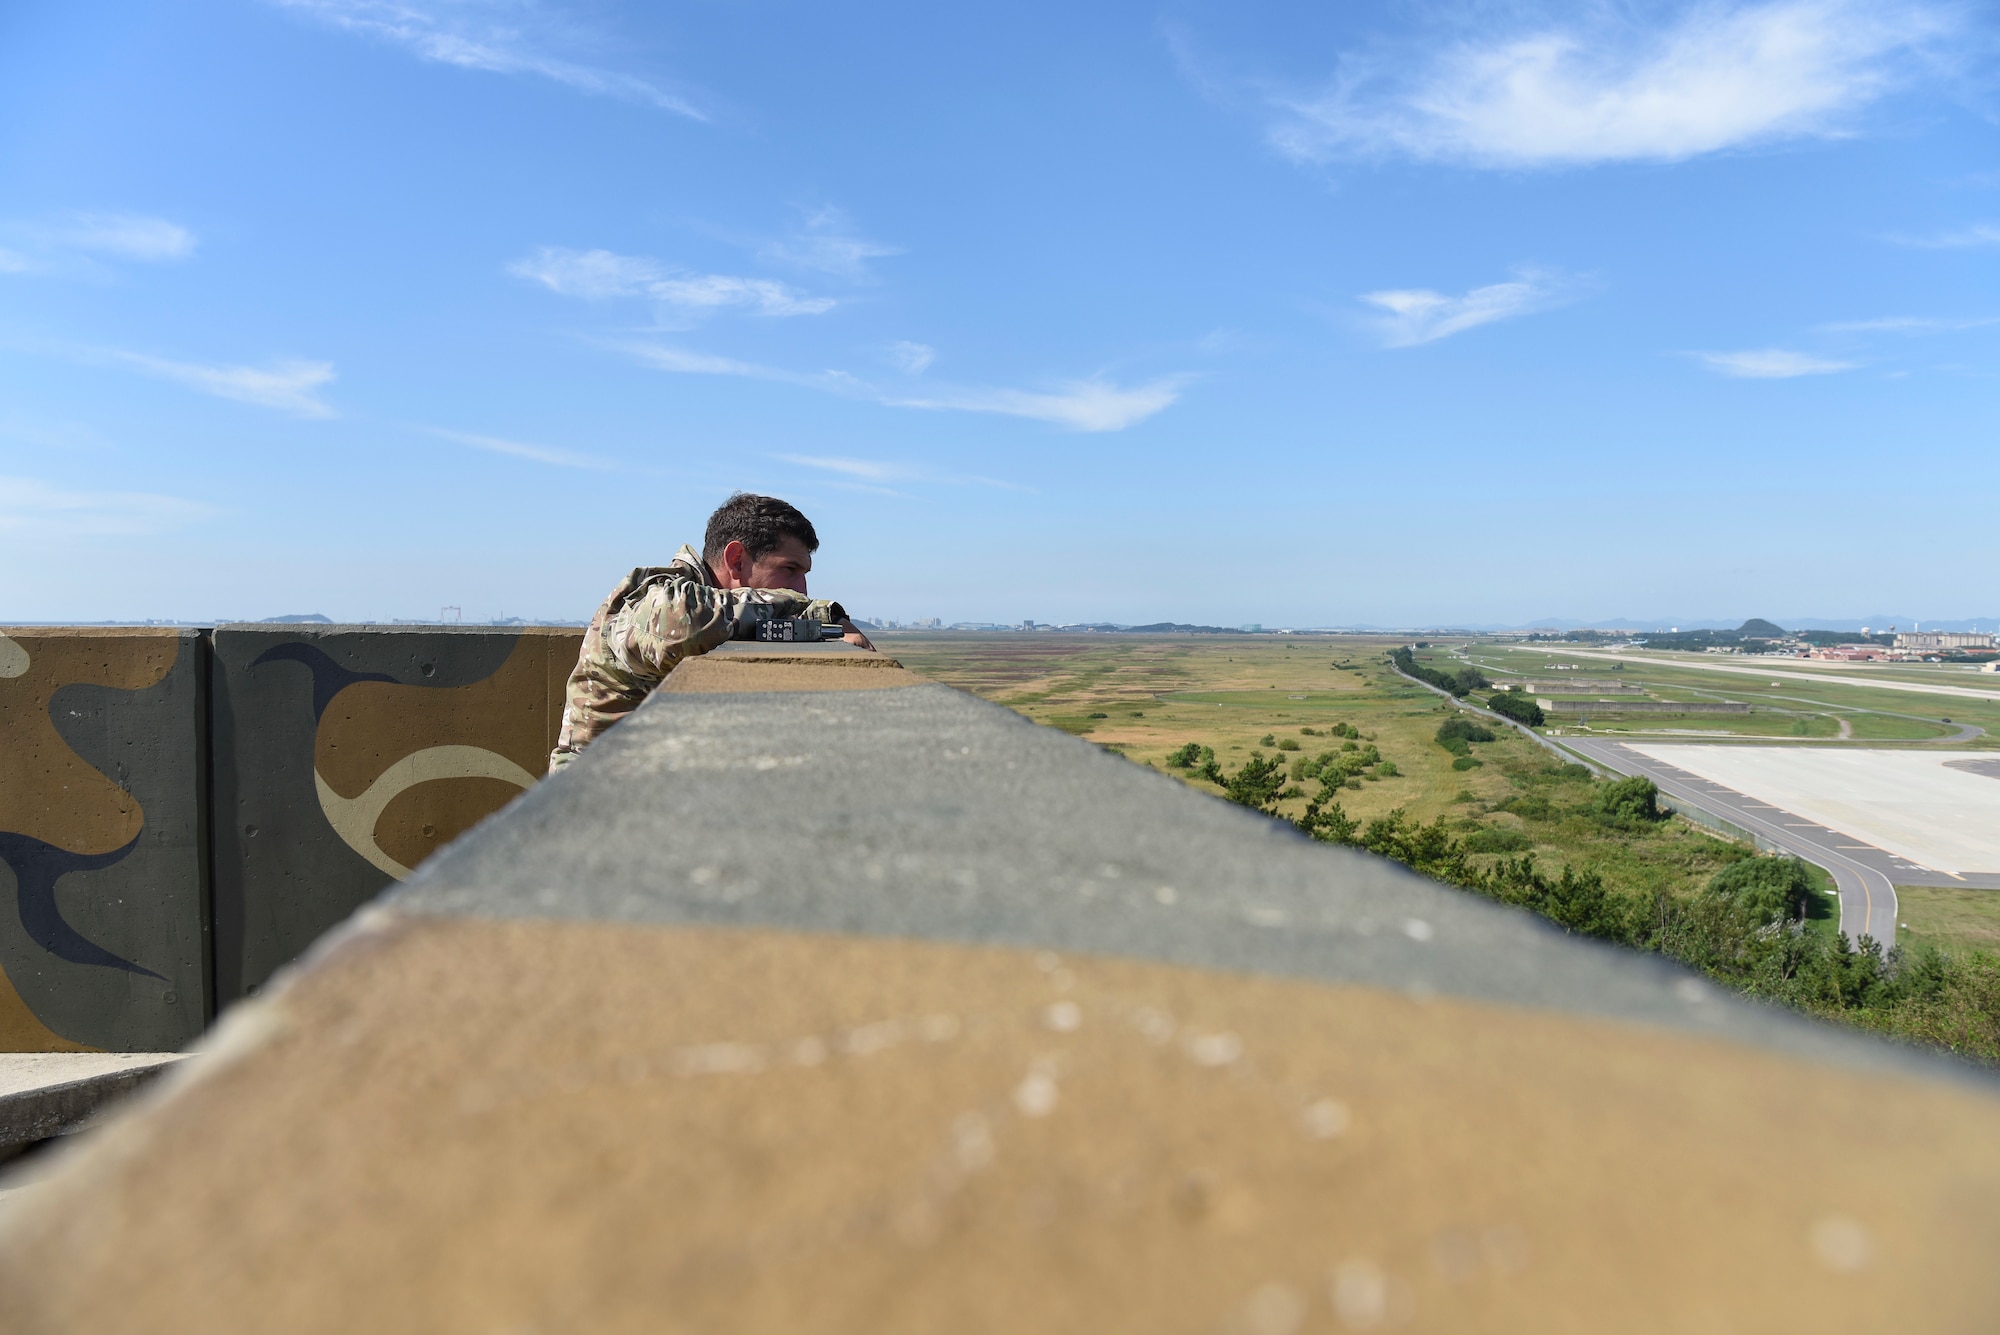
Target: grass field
{"type": "Point", "coordinates": [1949, 916]}
{"type": "Point", "coordinates": [1781, 707]}
{"type": "Point", "coordinates": [1146, 696]}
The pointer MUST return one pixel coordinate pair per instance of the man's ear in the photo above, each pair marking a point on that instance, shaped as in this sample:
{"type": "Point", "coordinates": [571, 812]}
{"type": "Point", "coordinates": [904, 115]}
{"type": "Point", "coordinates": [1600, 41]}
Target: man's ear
{"type": "Point", "coordinates": [736, 561]}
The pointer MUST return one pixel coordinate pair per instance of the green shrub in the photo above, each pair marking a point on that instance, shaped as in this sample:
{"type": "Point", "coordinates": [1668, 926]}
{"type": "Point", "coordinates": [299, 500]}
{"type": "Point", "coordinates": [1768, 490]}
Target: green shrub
{"type": "Point", "coordinates": [1767, 890]}
{"type": "Point", "coordinates": [1630, 803]}
{"type": "Point", "coordinates": [1497, 839]}
{"type": "Point", "coordinates": [1287, 744]}
{"type": "Point", "coordinates": [1532, 807]}
{"type": "Point", "coordinates": [1185, 757]}
{"type": "Point", "coordinates": [1097, 716]}
{"type": "Point", "coordinates": [1267, 740]}
{"type": "Point", "coordinates": [1461, 730]}
{"type": "Point", "coordinates": [1466, 762]}
{"type": "Point", "coordinates": [1387, 769]}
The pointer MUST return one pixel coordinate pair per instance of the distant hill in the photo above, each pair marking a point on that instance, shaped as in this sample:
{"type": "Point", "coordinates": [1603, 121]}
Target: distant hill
{"type": "Point", "coordinates": [1756, 628]}
{"type": "Point", "coordinates": [1165, 627]}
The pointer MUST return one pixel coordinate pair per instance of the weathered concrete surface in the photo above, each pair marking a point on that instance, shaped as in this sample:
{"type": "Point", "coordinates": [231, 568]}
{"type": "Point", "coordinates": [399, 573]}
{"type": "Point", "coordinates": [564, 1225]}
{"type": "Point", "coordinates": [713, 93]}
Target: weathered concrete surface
{"type": "Point", "coordinates": [749, 667]}
{"type": "Point", "coordinates": [345, 755]}
{"type": "Point", "coordinates": [885, 1010]}
{"type": "Point", "coordinates": [929, 813]}
{"type": "Point", "coordinates": [103, 833]}
{"type": "Point", "coordinates": [44, 1094]}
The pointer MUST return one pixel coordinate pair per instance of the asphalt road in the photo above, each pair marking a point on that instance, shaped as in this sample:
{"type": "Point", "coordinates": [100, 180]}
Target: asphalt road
{"type": "Point", "coordinates": [1864, 875]}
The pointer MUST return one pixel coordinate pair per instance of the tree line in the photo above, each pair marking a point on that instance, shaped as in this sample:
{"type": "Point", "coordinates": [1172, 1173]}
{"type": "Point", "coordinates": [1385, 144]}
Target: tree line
{"type": "Point", "coordinates": [1746, 928]}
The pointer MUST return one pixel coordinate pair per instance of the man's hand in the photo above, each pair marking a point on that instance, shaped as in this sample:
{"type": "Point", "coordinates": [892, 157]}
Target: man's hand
{"type": "Point", "coordinates": [854, 637]}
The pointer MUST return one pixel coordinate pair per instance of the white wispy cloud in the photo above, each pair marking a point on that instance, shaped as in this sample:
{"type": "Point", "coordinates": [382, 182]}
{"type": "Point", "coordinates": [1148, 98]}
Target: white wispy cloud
{"type": "Point", "coordinates": [912, 358]}
{"type": "Point", "coordinates": [682, 362]}
{"type": "Point", "coordinates": [826, 243]}
{"type": "Point", "coordinates": [597, 274]}
{"type": "Point", "coordinates": [73, 244]}
{"type": "Point", "coordinates": [31, 506]}
{"type": "Point", "coordinates": [488, 35]}
{"type": "Point", "coordinates": [869, 470]}
{"type": "Point", "coordinates": [1419, 315]}
{"type": "Point", "coordinates": [125, 236]}
{"type": "Point", "coordinates": [542, 454]}
{"type": "Point", "coordinates": [1771, 364]}
{"type": "Point", "coordinates": [1963, 238]}
{"type": "Point", "coordinates": [1081, 405]}
{"type": "Point", "coordinates": [879, 471]}
{"type": "Point", "coordinates": [290, 386]}
{"type": "Point", "coordinates": [1907, 324]}
{"type": "Point", "coordinates": [1614, 84]}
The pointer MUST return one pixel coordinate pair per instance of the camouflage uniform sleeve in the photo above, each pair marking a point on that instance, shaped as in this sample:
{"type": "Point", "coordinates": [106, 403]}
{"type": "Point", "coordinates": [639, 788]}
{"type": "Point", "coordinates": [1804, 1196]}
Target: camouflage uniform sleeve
{"type": "Point", "coordinates": [649, 624]}
{"type": "Point", "coordinates": [651, 634]}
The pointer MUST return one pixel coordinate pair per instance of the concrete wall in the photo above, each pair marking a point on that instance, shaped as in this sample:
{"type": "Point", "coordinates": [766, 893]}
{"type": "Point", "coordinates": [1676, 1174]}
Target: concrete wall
{"type": "Point", "coordinates": [103, 839]}
{"type": "Point", "coordinates": [1577, 686]}
{"type": "Point", "coordinates": [1644, 707]}
{"type": "Point", "coordinates": [182, 811]}
{"type": "Point", "coordinates": [345, 755]}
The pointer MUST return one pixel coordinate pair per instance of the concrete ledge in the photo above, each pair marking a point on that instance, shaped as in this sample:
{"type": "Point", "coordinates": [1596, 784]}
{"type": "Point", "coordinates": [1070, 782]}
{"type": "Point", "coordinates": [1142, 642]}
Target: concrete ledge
{"type": "Point", "coordinates": [55, 1093]}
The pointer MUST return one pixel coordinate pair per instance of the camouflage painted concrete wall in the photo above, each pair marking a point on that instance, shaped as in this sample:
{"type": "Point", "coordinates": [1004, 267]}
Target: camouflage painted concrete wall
{"type": "Point", "coordinates": [345, 755]}
{"type": "Point", "coordinates": [103, 833]}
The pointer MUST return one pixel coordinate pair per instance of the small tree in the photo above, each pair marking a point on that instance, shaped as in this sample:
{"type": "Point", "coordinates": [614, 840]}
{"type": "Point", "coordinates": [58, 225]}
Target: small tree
{"type": "Point", "coordinates": [1259, 784]}
{"type": "Point", "coordinates": [1630, 803]}
{"type": "Point", "coordinates": [1765, 890]}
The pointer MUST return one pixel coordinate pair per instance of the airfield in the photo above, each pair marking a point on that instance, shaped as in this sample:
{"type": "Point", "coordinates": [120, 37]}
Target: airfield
{"type": "Point", "coordinates": [1933, 809]}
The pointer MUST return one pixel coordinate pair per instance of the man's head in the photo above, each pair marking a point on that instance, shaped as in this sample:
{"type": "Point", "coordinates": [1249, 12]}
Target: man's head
{"type": "Point", "coordinates": [759, 542]}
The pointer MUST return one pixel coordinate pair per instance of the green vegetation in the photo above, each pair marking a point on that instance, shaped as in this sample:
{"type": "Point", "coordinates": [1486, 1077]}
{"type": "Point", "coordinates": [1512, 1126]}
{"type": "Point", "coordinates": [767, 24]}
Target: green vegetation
{"type": "Point", "coordinates": [1747, 928]}
{"type": "Point", "coordinates": [1630, 803]}
{"type": "Point", "coordinates": [1821, 697]}
{"type": "Point", "coordinates": [1518, 705]}
{"type": "Point", "coordinates": [1596, 857]}
{"type": "Point", "coordinates": [1954, 918]}
{"type": "Point", "coordinates": [1462, 682]}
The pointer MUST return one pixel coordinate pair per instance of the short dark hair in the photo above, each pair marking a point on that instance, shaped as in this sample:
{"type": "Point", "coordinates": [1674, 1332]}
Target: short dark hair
{"type": "Point", "coordinates": [760, 523]}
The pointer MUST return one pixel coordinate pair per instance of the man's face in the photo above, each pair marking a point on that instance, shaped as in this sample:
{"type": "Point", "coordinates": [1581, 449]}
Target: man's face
{"type": "Point", "coordinates": [784, 567]}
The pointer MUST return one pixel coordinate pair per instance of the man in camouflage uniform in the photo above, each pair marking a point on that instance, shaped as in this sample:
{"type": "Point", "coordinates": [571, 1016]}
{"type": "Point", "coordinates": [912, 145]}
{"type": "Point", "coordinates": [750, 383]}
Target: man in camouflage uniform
{"type": "Point", "coordinates": [752, 567]}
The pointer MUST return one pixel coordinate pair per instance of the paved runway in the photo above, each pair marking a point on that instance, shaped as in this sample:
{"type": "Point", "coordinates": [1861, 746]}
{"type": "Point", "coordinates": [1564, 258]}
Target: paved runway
{"type": "Point", "coordinates": [1865, 876]}
{"type": "Point", "coordinates": [1923, 807]}
{"type": "Point", "coordinates": [1827, 676]}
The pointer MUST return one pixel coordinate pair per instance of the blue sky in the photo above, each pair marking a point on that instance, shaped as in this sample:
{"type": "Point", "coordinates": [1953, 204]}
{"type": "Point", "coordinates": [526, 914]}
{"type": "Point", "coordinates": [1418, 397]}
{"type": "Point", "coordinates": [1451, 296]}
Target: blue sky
{"type": "Point", "coordinates": [1307, 315]}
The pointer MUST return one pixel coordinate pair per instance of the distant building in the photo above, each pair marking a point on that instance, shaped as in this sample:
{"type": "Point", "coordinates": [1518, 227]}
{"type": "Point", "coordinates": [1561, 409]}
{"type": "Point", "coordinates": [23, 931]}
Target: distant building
{"type": "Point", "coordinates": [1851, 653]}
{"type": "Point", "coordinates": [1942, 641]}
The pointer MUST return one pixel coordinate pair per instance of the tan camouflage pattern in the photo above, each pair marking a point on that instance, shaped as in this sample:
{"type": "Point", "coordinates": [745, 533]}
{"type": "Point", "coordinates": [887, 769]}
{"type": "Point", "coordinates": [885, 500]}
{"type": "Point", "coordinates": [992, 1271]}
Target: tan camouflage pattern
{"type": "Point", "coordinates": [657, 616]}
